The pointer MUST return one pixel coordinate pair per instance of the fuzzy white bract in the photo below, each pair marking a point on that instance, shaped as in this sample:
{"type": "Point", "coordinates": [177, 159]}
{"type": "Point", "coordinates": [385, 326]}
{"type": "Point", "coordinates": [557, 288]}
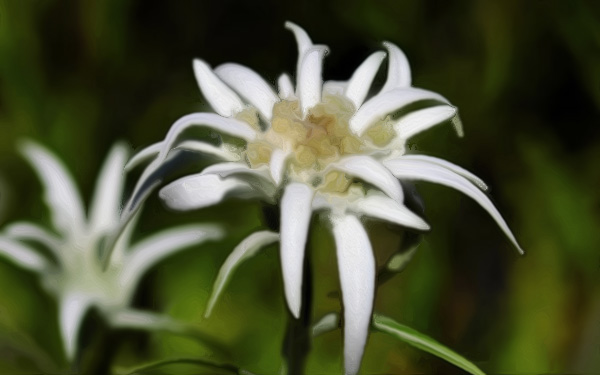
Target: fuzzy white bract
{"type": "Point", "coordinates": [316, 146]}
{"type": "Point", "coordinates": [72, 268]}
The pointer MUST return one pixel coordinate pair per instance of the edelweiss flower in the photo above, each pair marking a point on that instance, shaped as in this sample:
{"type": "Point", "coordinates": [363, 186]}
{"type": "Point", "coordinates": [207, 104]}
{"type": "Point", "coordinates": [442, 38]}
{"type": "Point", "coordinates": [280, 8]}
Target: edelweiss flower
{"type": "Point", "coordinates": [75, 272]}
{"type": "Point", "coordinates": [316, 147]}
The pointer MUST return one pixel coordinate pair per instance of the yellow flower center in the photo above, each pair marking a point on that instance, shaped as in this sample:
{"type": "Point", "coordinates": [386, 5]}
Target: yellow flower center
{"type": "Point", "coordinates": [323, 136]}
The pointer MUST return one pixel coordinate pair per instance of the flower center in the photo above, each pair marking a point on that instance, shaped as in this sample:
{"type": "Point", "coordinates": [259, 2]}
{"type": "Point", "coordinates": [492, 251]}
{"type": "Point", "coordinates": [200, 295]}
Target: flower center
{"type": "Point", "coordinates": [315, 141]}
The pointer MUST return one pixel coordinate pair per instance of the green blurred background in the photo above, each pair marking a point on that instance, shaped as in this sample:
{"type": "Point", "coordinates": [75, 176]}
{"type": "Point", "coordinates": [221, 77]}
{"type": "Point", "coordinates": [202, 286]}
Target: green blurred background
{"type": "Point", "coordinates": [525, 75]}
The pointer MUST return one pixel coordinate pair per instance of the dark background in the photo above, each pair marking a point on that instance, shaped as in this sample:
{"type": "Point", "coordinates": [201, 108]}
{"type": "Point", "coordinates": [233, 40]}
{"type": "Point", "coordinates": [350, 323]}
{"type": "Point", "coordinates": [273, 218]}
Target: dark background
{"type": "Point", "coordinates": [525, 75]}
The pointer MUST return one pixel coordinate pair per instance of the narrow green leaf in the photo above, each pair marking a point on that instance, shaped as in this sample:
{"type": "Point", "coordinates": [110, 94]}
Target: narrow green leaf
{"type": "Point", "coordinates": [423, 342]}
{"type": "Point", "coordinates": [246, 249]}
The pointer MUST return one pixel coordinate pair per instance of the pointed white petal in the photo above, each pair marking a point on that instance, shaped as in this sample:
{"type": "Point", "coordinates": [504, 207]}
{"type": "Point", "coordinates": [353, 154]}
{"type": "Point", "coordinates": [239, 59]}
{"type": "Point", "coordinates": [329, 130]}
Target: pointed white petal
{"type": "Point", "coordinates": [382, 207]}
{"type": "Point", "coordinates": [310, 83]}
{"type": "Point", "coordinates": [121, 241]}
{"type": "Point", "coordinates": [450, 166]}
{"type": "Point", "coordinates": [221, 98]}
{"type": "Point", "coordinates": [360, 83]}
{"type": "Point", "coordinates": [106, 203]}
{"type": "Point", "coordinates": [33, 232]}
{"type": "Point", "coordinates": [144, 320]}
{"type": "Point", "coordinates": [232, 168]}
{"type": "Point", "coordinates": [22, 255]}
{"type": "Point", "coordinates": [372, 171]}
{"type": "Point", "coordinates": [210, 120]}
{"type": "Point", "coordinates": [224, 125]}
{"type": "Point", "coordinates": [73, 307]}
{"type": "Point", "coordinates": [357, 278]}
{"type": "Point", "coordinates": [327, 323]}
{"type": "Point", "coordinates": [296, 211]}
{"type": "Point", "coordinates": [150, 251]}
{"type": "Point", "coordinates": [258, 178]}
{"type": "Point", "coordinates": [398, 69]}
{"type": "Point", "coordinates": [302, 38]}
{"type": "Point", "coordinates": [286, 88]}
{"type": "Point", "coordinates": [277, 165]}
{"type": "Point", "coordinates": [197, 191]}
{"type": "Point", "coordinates": [245, 250]}
{"type": "Point", "coordinates": [143, 155]}
{"type": "Point", "coordinates": [61, 194]}
{"type": "Point", "coordinates": [335, 87]}
{"type": "Point", "coordinates": [458, 126]}
{"type": "Point", "coordinates": [389, 102]}
{"type": "Point", "coordinates": [423, 119]}
{"type": "Point", "coordinates": [206, 148]}
{"type": "Point", "coordinates": [251, 86]}
{"type": "Point", "coordinates": [421, 170]}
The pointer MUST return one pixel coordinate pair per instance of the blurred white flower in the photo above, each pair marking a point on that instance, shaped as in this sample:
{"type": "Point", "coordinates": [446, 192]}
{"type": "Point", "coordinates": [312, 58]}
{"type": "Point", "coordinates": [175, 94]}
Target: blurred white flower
{"type": "Point", "coordinates": [318, 146]}
{"type": "Point", "coordinates": [73, 269]}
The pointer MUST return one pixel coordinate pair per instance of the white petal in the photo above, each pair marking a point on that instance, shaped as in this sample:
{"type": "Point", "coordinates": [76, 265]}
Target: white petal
{"type": "Point", "coordinates": [335, 87]}
{"type": "Point", "coordinates": [221, 98]}
{"type": "Point", "coordinates": [60, 192]}
{"type": "Point", "coordinates": [286, 88]}
{"type": "Point", "coordinates": [147, 253]}
{"type": "Point", "coordinates": [224, 125]}
{"type": "Point", "coordinates": [245, 250]}
{"type": "Point", "coordinates": [258, 178]}
{"type": "Point", "coordinates": [303, 41]}
{"type": "Point", "coordinates": [310, 83]}
{"type": "Point", "coordinates": [453, 167]}
{"type": "Point", "coordinates": [143, 155]}
{"type": "Point", "coordinates": [251, 86]}
{"type": "Point", "coordinates": [296, 211]}
{"type": "Point", "coordinates": [143, 320]}
{"type": "Point", "coordinates": [360, 83]}
{"type": "Point", "coordinates": [371, 171]}
{"type": "Point", "coordinates": [302, 38]}
{"type": "Point", "coordinates": [210, 120]}
{"type": "Point", "coordinates": [22, 255]}
{"type": "Point", "coordinates": [423, 119]}
{"type": "Point", "coordinates": [206, 148]}
{"type": "Point", "coordinates": [197, 191]}
{"type": "Point", "coordinates": [106, 203]}
{"type": "Point", "coordinates": [421, 170]}
{"type": "Point", "coordinates": [33, 232]}
{"type": "Point", "coordinates": [233, 168]}
{"type": "Point", "coordinates": [398, 69]}
{"type": "Point", "coordinates": [277, 165]}
{"type": "Point", "coordinates": [357, 278]}
{"type": "Point", "coordinates": [73, 307]}
{"type": "Point", "coordinates": [389, 102]}
{"type": "Point", "coordinates": [121, 240]}
{"type": "Point", "coordinates": [327, 323]}
{"type": "Point", "coordinates": [382, 207]}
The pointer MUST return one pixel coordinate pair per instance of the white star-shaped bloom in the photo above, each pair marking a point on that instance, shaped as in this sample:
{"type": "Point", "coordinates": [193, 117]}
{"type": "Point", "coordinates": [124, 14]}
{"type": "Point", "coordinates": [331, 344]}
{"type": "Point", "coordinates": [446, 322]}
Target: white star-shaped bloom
{"type": "Point", "coordinates": [73, 269]}
{"type": "Point", "coordinates": [318, 146]}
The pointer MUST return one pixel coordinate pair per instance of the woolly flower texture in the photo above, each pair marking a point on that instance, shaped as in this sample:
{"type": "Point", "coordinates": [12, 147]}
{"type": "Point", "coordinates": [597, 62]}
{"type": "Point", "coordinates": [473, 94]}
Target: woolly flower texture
{"type": "Point", "coordinates": [72, 269]}
{"type": "Point", "coordinates": [318, 146]}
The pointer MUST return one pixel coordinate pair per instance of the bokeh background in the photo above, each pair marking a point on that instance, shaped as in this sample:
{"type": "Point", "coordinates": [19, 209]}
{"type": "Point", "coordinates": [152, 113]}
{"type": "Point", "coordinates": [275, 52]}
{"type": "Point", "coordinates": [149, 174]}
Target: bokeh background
{"type": "Point", "coordinates": [525, 75]}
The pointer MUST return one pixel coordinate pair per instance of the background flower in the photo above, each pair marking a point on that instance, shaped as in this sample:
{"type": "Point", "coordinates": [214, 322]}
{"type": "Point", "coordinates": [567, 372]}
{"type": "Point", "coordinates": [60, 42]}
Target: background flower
{"type": "Point", "coordinates": [73, 266]}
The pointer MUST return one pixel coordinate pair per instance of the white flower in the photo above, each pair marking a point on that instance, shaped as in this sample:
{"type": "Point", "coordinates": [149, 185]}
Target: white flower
{"type": "Point", "coordinates": [75, 272]}
{"type": "Point", "coordinates": [319, 146]}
